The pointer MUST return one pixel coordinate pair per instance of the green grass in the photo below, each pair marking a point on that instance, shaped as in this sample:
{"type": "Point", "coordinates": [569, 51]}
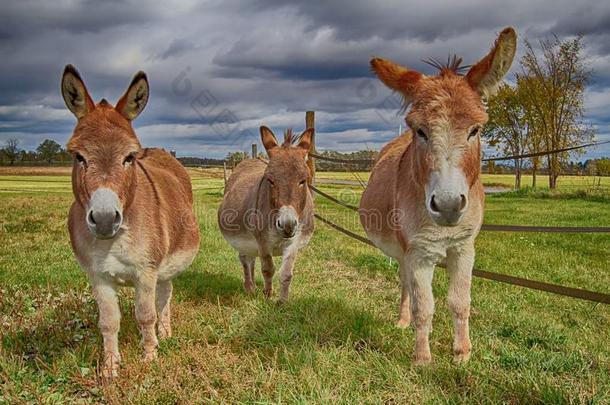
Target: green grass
{"type": "Point", "coordinates": [334, 341]}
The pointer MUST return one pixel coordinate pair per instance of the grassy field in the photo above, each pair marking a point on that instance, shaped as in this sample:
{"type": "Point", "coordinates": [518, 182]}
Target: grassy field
{"type": "Point", "coordinates": [507, 180]}
{"type": "Point", "coordinates": [334, 341]}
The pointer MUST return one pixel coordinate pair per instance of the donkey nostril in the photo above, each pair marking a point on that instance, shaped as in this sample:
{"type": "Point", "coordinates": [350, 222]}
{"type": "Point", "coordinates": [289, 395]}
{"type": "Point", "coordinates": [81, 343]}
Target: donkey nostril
{"type": "Point", "coordinates": [117, 217]}
{"type": "Point", "coordinates": [462, 202]}
{"type": "Point", "coordinates": [91, 219]}
{"type": "Point", "coordinates": [433, 205]}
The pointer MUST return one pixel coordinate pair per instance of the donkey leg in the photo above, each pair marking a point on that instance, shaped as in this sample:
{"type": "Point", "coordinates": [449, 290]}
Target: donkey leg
{"type": "Point", "coordinates": [146, 314]}
{"type": "Point", "coordinates": [459, 266]}
{"type": "Point", "coordinates": [405, 301]}
{"type": "Point", "coordinates": [163, 298]}
{"type": "Point", "coordinates": [268, 271]}
{"type": "Point", "coordinates": [247, 263]}
{"type": "Point", "coordinates": [252, 273]}
{"type": "Point", "coordinates": [109, 323]}
{"type": "Point", "coordinates": [422, 304]}
{"type": "Point", "coordinates": [286, 274]}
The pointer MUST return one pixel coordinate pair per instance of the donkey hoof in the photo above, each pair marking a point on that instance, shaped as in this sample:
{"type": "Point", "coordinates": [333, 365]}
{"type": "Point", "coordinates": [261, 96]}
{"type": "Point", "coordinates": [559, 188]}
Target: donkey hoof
{"type": "Point", "coordinates": [110, 368]}
{"type": "Point", "coordinates": [110, 373]}
{"type": "Point", "coordinates": [250, 288]}
{"type": "Point", "coordinates": [268, 293]}
{"type": "Point", "coordinates": [422, 359]}
{"type": "Point", "coordinates": [149, 356]}
{"type": "Point", "coordinates": [461, 357]}
{"type": "Point", "coordinates": [403, 323]}
{"type": "Point", "coordinates": [164, 333]}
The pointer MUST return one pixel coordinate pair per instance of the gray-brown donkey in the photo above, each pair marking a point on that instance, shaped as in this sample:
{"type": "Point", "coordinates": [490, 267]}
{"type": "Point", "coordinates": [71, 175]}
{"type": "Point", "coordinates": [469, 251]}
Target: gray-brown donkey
{"type": "Point", "coordinates": [267, 209]}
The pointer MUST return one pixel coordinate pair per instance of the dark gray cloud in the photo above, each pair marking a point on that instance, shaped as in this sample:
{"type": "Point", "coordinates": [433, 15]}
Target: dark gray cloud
{"type": "Point", "coordinates": [218, 70]}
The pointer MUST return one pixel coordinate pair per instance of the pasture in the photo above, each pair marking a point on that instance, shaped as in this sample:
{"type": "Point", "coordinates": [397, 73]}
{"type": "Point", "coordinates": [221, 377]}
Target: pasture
{"type": "Point", "coordinates": [335, 340]}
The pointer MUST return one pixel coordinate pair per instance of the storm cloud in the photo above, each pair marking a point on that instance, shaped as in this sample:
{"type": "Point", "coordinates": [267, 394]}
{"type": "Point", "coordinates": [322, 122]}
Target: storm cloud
{"type": "Point", "coordinates": [220, 69]}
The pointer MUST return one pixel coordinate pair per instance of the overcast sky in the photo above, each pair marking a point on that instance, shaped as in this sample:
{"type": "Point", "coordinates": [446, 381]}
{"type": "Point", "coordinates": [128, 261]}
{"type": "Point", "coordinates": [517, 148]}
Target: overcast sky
{"type": "Point", "coordinates": [220, 69]}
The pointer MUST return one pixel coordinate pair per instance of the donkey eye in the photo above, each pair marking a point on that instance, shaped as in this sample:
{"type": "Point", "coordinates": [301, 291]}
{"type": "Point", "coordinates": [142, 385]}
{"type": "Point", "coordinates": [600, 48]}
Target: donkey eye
{"type": "Point", "coordinates": [270, 181]}
{"type": "Point", "coordinates": [129, 159]}
{"type": "Point", "coordinates": [80, 159]}
{"type": "Point", "coordinates": [422, 134]}
{"type": "Point", "coordinates": [302, 182]}
{"type": "Point", "coordinates": [474, 132]}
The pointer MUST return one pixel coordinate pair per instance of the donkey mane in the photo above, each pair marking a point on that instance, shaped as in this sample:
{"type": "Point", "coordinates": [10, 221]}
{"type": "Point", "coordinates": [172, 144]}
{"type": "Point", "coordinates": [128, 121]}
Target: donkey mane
{"type": "Point", "coordinates": [290, 138]}
{"type": "Point", "coordinates": [453, 65]}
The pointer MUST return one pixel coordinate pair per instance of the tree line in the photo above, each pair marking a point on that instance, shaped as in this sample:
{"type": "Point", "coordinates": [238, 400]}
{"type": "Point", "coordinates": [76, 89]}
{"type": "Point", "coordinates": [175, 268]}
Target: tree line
{"type": "Point", "coordinates": [48, 152]}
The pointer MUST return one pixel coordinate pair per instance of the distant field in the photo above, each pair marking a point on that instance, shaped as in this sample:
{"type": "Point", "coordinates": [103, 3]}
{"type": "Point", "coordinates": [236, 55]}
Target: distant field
{"type": "Point", "coordinates": [35, 171]}
{"type": "Point", "coordinates": [334, 341]}
{"type": "Point", "coordinates": [495, 179]}
{"type": "Point", "coordinates": [201, 176]}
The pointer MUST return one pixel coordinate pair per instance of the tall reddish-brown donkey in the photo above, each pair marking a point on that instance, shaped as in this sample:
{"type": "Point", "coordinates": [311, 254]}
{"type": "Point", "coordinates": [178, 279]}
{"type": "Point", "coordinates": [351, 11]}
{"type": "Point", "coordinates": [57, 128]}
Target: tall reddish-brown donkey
{"type": "Point", "coordinates": [424, 201]}
{"type": "Point", "coordinates": [132, 220]}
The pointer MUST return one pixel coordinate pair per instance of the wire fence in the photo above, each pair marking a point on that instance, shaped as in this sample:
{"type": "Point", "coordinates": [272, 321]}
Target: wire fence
{"type": "Point", "coordinates": [592, 296]}
{"type": "Point", "coordinates": [489, 159]}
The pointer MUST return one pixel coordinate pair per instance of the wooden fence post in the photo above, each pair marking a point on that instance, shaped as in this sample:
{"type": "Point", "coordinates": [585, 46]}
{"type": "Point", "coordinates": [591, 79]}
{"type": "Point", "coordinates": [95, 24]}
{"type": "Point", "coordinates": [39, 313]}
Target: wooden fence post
{"type": "Point", "coordinates": [311, 162]}
{"type": "Point", "coordinates": [224, 171]}
{"type": "Point", "coordinates": [254, 153]}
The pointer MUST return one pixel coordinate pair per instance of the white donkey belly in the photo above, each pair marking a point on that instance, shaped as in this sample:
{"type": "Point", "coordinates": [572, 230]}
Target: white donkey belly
{"type": "Point", "coordinates": [122, 263]}
{"type": "Point", "coordinates": [388, 245]}
{"type": "Point", "coordinates": [245, 244]}
{"type": "Point", "coordinates": [176, 262]}
{"type": "Point", "coordinates": [114, 259]}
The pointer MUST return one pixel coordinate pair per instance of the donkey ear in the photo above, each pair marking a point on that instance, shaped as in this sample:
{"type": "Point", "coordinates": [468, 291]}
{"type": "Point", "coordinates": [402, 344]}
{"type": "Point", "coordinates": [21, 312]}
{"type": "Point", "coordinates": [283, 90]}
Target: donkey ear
{"type": "Point", "coordinates": [75, 93]}
{"type": "Point", "coordinates": [268, 139]}
{"type": "Point", "coordinates": [135, 98]}
{"type": "Point", "coordinates": [305, 140]}
{"type": "Point", "coordinates": [486, 75]}
{"type": "Point", "coordinates": [396, 77]}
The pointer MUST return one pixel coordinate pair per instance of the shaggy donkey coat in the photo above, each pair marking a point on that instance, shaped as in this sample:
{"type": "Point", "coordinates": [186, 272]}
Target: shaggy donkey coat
{"type": "Point", "coordinates": [424, 202]}
{"type": "Point", "coordinates": [132, 220]}
{"type": "Point", "coordinates": [267, 209]}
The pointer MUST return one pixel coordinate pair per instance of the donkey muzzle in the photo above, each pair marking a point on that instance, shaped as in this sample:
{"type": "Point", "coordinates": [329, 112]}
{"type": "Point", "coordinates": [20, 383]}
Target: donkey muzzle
{"type": "Point", "coordinates": [447, 196]}
{"type": "Point", "coordinates": [104, 214]}
{"type": "Point", "coordinates": [287, 222]}
{"type": "Point", "coordinates": [447, 208]}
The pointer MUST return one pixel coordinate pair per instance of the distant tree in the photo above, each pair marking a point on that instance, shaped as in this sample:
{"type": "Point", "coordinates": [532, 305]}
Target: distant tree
{"type": "Point", "coordinates": [234, 158]}
{"type": "Point", "coordinates": [535, 134]}
{"type": "Point", "coordinates": [48, 150]}
{"type": "Point", "coordinates": [27, 156]}
{"type": "Point", "coordinates": [561, 76]}
{"type": "Point", "coordinates": [64, 156]}
{"type": "Point", "coordinates": [507, 128]}
{"type": "Point", "coordinates": [11, 150]}
{"type": "Point", "coordinates": [491, 167]}
{"type": "Point", "coordinates": [598, 167]}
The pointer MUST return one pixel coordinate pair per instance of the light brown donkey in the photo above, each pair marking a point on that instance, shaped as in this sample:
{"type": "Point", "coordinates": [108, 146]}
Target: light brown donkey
{"type": "Point", "coordinates": [424, 201]}
{"type": "Point", "coordinates": [132, 220]}
{"type": "Point", "coordinates": [267, 209]}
